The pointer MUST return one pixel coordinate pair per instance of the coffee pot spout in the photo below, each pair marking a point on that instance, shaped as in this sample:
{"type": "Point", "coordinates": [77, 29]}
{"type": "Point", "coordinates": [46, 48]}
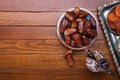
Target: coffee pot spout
{"type": "Point", "coordinates": [110, 72]}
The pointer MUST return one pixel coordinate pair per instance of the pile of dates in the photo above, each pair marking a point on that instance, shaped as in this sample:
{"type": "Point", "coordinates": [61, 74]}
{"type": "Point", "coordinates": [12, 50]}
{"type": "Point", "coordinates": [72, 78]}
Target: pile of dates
{"type": "Point", "coordinates": [114, 20]}
{"type": "Point", "coordinates": [78, 28]}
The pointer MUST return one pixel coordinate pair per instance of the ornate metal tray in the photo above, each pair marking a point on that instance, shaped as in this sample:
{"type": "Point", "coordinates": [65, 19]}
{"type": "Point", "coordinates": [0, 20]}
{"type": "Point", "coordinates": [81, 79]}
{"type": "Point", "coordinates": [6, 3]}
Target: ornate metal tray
{"type": "Point", "coordinates": [112, 39]}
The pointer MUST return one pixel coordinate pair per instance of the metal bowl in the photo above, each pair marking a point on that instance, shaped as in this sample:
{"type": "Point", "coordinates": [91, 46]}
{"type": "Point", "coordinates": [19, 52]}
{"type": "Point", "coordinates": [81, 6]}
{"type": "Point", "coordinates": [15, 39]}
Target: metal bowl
{"type": "Point", "coordinates": [106, 14]}
{"type": "Point", "coordinates": [60, 36]}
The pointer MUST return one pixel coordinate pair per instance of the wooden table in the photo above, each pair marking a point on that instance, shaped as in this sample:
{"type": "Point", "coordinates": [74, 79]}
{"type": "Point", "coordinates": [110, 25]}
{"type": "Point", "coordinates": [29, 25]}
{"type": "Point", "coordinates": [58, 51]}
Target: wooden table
{"type": "Point", "coordinates": [30, 48]}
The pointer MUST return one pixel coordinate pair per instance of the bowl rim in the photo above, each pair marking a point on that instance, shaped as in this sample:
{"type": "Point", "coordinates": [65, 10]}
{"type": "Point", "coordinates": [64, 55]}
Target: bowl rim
{"type": "Point", "coordinates": [59, 35]}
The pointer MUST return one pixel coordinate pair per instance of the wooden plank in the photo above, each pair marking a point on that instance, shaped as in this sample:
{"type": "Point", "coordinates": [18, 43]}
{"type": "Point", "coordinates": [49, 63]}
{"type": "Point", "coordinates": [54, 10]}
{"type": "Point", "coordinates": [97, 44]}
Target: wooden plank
{"type": "Point", "coordinates": [28, 33]}
{"type": "Point", "coordinates": [33, 33]}
{"type": "Point", "coordinates": [39, 61]}
{"type": "Point", "coordinates": [31, 18]}
{"type": "Point", "coordinates": [78, 74]}
{"type": "Point", "coordinates": [52, 5]}
{"type": "Point", "coordinates": [46, 47]}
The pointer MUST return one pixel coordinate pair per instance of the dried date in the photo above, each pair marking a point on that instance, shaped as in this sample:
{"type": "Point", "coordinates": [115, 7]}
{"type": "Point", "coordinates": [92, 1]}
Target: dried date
{"type": "Point", "coordinates": [74, 24]}
{"type": "Point", "coordinates": [69, 57]}
{"type": "Point", "coordinates": [81, 27]}
{"type": "Point", "coordinates": [86, 40]}
{"type": "Point", "coordinates": [64, 25]}
{"type": "Point", "coordinates": [69, 16]}
{"type": "Point", "coordinates": [81, 20]}
{"type": "Point", "coordinates": [76, 11]}
{"type": "Point", "coordinates": [70, 60]}
{"type": "Point", "coordinates": [84, 13]}
{"type": "Point", "coordinates": [92, 20]}
{"type": "Point", "coordinates": [88, 24]}
{"type": "Point", "coordinates": [67, 39]}
{"type": "Point", "coordinates": [72, 43]}
{"type": "Point", "coordinates": [77, 39]}
{"type": "Point", "coordinates": [70, 31]}
{"type": "Point", "coordinates": [92, 32]}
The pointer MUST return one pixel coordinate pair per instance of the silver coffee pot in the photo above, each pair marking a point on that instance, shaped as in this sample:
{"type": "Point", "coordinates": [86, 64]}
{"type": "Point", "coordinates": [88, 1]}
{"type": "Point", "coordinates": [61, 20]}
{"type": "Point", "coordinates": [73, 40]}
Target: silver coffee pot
{"type": "Point", "coordinates": [97, 62]}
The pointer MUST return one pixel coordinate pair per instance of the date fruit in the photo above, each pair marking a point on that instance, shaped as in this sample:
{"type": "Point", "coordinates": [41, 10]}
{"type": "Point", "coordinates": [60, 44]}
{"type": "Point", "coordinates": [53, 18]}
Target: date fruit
{"type": "Point", "coordinates": [69, 16]}
{"type": "Point", "coordinates": [77, 39]}
{"type": "Point", "coordinates": [69, 52]}
{"type": "Point", "coordinates": [67, 39]}
{"type": "Point", "coordinates": [70, 31]}
{"type": "Point", "coordinates": [84, 13]}
{"type": "Point", "coordinates": [81, 27]}
{"type": "Point", "coordinates": [70, 60]}
{"type": "Point", "coordinates": [76, 11]}
{"type": "Point", "coordinates": [92, 20]}
{"type": "Point", "coordinates": [74, 24]}
{"type": "Point", "coordinates": [81, 20]}
{"type": "Point", "coordinates": [64, 25]}
{"type": "Point", "coordinates": [88, 24]}
{"type": "Point", "coordinates": [86, 40]}
{"type": "Point", "coordinates": [72, 43]}
{"type": "Point", "coordinates": [92, 32]}
{"type": "Point", "coordinates": [69, 57]}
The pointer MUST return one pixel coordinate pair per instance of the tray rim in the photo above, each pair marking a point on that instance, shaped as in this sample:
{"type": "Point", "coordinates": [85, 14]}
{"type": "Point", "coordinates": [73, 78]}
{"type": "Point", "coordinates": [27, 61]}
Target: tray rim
{"type": "Point", "coordinates": [105, 31]}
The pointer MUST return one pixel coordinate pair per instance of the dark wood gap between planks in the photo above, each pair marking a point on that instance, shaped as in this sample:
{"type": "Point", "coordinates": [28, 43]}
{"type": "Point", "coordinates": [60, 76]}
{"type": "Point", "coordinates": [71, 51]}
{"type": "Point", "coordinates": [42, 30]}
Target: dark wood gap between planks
{"type": "Point", "coordinates": [39, 54]}
{"type": "Point", "coordinates": [28, 25]}
{"type": "Point", "coordinates": [70, 68]}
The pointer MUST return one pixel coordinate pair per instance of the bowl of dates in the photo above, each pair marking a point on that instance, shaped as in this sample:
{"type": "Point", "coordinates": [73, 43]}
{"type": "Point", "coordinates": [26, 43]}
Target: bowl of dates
{"type": "Point", "coordinates": [77, 28]}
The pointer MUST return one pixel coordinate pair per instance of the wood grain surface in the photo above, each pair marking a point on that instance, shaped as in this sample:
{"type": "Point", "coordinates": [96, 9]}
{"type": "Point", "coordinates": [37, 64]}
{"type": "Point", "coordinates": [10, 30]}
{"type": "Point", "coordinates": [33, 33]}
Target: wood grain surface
{"type": "Point", "coordinates": [30, 48]}
{"type": "Point", "coordinates": [51, 5]}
